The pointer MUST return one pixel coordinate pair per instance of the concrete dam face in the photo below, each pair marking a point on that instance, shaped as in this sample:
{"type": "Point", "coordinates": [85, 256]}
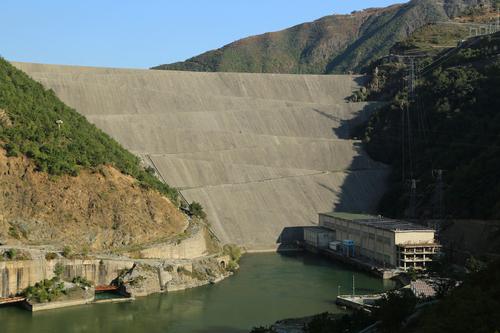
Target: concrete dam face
{"type": "Point", "coordinates": [261, 152]}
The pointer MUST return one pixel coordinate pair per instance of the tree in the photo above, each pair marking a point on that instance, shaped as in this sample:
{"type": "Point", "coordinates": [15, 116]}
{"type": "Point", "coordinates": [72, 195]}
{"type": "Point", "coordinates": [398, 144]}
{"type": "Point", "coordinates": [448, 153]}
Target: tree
{"type": "Point", "coordinates": [394, 307]}
{"type": "Point", "coordinates": [196, 210]}
{"type": "Point", "coordinates": [67, 252]}
{"type": "Point", "coordinates": [474, 265]}
{"type": "Point", "coordinates": [58, 270]}
{"type": "Point", "coordinates": [11, 254]}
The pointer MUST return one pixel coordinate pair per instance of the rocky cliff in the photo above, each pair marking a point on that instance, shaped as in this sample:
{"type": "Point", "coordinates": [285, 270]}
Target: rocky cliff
{"type": "Point", "coordinates": [100, 209]}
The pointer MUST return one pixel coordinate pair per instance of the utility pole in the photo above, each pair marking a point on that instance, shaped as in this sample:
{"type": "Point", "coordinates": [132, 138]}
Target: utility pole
{"type": "Point", "coordinates": [498, 17]}
{"type": "Point", "coordinates": [438, 174]}
{"type": "Point", "coordinates": [412, 211]}
{"type": "Point", "coordinates": [412, 81]}
{"type": "Point", "coordinates": [353, 287]}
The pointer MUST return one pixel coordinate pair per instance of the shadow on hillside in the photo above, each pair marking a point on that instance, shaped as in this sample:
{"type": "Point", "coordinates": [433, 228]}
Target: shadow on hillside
{"type": "Point", "coordinates": [350, 128]}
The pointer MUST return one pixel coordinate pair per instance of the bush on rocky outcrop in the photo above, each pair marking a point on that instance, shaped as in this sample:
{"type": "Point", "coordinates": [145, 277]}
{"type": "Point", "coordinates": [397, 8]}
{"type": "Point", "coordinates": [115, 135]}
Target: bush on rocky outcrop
{"type": "Point", "coordinates": [81, 282]}
{"type": "Point", "coordinates": [196, 210]}
{"type": "Point", "coordinates": [45, 291]}
{"type": "Point", "coordinates": [15, 254]}
{"type": "Point", "coordinates": [51, 256]}
{"type": "Point", "coordinates": [234, 253]}
{"type": "Point", "coordinates": [67, 252]}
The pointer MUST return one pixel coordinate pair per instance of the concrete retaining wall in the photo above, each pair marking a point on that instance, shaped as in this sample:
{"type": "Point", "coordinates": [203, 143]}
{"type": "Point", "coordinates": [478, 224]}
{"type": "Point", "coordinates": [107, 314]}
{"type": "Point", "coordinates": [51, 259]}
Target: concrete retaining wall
{"type": "Point", "coordinates": [57, 305]}
{"type": "Point", "coordinates": [17, 275]}
{"type": "Point", "coordinates": [192, 247]}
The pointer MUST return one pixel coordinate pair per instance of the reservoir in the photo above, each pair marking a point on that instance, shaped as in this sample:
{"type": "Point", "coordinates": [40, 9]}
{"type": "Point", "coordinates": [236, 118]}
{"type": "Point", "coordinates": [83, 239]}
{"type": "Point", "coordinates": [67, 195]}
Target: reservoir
{"type": "Point", "coordinates": [267, 288]}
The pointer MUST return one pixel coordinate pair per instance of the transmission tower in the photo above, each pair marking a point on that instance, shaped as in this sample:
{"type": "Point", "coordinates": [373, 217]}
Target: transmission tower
{"type": "Point", "coordinates": [412, 209]}
{"type": "Point", "coordinates": [439, 197]}
{"type": "Point", "coordinates": [407, 137]}
{"type": "Point", "coordinates": [438, 175]}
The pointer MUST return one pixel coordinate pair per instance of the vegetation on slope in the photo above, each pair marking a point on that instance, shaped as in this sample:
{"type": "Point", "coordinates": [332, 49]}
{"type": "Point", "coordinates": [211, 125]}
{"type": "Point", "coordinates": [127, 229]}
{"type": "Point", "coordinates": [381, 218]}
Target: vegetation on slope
{"type": "Point", "coordinates": [471, 307]}
{"type": "Point", "coordinates": [34, 122]}
{"type": "Point", "coordinates": [455, 125]}
{"type": "Point", "coordinates": [64, 182]}
{"type": "Point", "coordinates": [332, 44]}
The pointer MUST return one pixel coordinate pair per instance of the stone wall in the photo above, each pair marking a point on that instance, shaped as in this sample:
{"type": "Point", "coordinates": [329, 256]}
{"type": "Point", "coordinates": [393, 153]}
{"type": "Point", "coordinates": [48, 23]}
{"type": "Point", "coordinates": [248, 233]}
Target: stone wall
{"type": "Point", "coordinates": [193, 246]}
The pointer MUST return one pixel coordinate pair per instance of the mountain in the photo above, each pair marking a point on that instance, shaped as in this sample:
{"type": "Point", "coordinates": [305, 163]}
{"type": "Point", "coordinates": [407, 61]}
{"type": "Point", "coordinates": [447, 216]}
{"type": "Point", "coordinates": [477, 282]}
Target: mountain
{"type": "Point", "coordinates": [332, 44]}
{"type": "Point", "coordinates": [64, 182]}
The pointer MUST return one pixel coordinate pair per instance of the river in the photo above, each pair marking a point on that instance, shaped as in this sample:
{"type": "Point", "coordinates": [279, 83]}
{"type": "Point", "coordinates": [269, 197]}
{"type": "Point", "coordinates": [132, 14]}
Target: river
{"type": "Point", "coordinates": [268, 287]}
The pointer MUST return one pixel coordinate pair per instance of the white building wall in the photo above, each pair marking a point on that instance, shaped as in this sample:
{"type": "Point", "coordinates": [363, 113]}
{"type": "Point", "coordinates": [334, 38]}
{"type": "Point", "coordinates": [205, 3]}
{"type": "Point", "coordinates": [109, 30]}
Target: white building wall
{"type": "Point", "coordinates": [414, 237]}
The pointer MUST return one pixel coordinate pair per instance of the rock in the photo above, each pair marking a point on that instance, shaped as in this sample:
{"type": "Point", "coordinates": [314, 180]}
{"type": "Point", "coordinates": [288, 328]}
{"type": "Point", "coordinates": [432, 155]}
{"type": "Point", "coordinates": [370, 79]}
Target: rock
{"type": "Point", "coordinates": [147, 278]}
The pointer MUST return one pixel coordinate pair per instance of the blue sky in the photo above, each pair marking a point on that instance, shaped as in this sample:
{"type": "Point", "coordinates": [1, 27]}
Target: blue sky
{"type": "Point", "coordinates": [141, 34]}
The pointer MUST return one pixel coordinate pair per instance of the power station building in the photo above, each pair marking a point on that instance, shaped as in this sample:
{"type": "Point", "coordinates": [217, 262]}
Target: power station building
{"type": "Point", "coordinates": [388, 242]}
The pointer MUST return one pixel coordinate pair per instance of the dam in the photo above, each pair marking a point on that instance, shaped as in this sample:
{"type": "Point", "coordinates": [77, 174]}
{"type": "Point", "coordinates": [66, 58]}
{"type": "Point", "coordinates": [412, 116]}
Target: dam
{"type": "Point", "coordinates": [263, 153]}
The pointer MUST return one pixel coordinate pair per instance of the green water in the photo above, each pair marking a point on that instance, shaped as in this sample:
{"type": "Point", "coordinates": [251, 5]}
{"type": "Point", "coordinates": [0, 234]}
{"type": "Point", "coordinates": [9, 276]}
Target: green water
{"type": "Point", "coordinates": [268, 287]}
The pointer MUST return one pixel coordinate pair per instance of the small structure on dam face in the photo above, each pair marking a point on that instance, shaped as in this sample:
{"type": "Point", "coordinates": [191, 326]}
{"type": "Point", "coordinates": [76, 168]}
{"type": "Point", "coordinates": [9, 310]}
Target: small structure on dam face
{"type": "Point", "coordinates": [387, 242]}
{"type": "Point", "coordinates": [260, 152]}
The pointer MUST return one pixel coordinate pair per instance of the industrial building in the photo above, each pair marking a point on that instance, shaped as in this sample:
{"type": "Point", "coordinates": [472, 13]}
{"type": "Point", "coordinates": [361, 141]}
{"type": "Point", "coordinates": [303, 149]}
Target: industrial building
{"type": "Point", "coordinates": [387, 242]}
{"type": "Point", "coordinates": [318, 237]}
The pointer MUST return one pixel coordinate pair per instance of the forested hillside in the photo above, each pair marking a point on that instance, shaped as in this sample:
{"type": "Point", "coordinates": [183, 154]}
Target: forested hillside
{"type": "Point", "coordinates": [452, 124]}
{"type": "Point", "coordinates": [332, 44]}
{"type": "Point", "coordinates": [35, 123]}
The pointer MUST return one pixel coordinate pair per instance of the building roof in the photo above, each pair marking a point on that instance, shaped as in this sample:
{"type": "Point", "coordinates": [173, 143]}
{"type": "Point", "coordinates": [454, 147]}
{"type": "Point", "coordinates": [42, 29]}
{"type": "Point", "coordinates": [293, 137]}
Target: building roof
{"type": "Point", "coordinates": [318, 230]}
{"type": "Point", "coordinates": [394, 225]}
{"type": "Point", "coordinates": [350, 216]}
{"type": "Point", "coordinates": [422, 289]}
{"type": "Point", "coordinates": [379, 222]}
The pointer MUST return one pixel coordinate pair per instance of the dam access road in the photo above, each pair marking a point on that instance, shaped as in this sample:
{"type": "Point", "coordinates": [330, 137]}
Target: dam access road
{"type": "Point", "coordinates": [261, 152]}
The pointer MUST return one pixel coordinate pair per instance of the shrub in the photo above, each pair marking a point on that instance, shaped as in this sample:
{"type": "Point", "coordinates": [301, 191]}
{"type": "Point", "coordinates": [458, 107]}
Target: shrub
{"type": "Point", "coordinates": [196, 209]}
{"type": "Point", "coordinates": [16, 254]}
{"type": "Point", "coordinates": [51, 256]}
{"type": "Point", "coordinates": [10, 254]}
{"type": "Point", "coordinates": [81, 282]}
{"type": "Point", "coordinates": [67, 252]}
{"type": "Point", "coordinates": [58, 270]}
{"type": "Point", "coordinates": [232, 266]}
{"type": "Point", "coordinates": [234, 251]}
{"type": "Point", "coordinates": [394, 307]}
{"type": "Point", "coordinates": [14, 233]}
{"type": "Point", "coordinates": [45, 291]}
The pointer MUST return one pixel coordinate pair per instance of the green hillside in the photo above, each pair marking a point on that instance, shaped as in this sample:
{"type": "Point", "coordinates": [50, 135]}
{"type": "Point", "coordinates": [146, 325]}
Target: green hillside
{"type": "Point", "coordinates": [332, 44]}
{"type": "Point", "coordinates": [30, 124]}
{"type": "Point", "coordinates": [454, 123]}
